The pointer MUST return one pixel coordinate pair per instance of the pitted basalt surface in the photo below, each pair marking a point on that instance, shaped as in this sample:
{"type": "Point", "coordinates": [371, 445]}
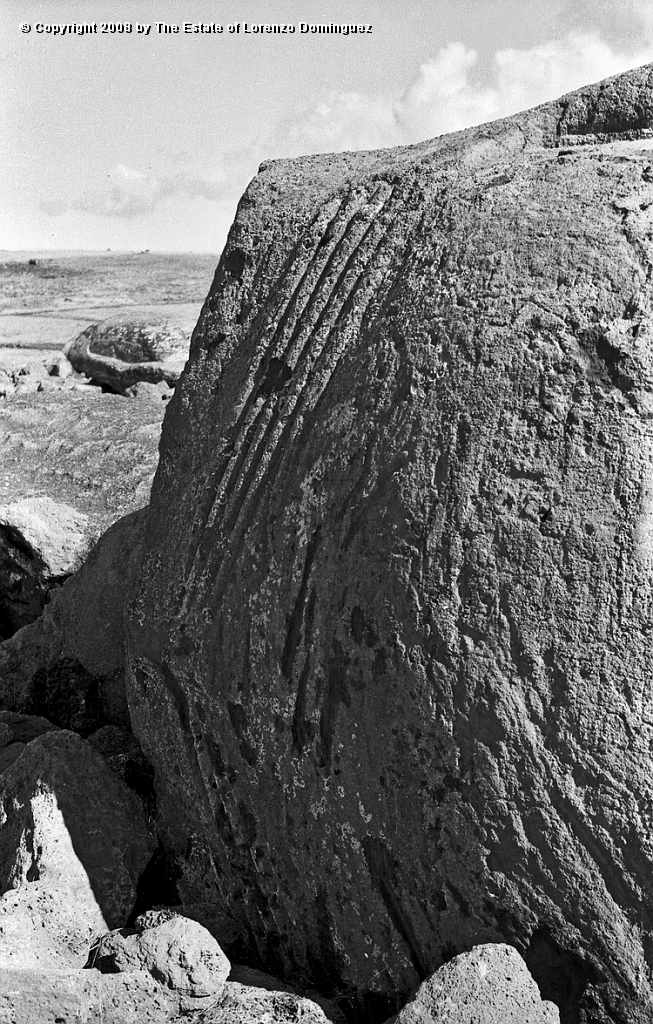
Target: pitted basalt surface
{"type": "Point", "coordinates": [390, 650]}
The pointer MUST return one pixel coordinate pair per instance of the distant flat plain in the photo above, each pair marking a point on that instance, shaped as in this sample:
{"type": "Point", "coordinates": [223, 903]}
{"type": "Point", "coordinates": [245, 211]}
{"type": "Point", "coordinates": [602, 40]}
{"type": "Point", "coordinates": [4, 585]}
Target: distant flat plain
{"type": "Point", "coordinates": [46, 298]}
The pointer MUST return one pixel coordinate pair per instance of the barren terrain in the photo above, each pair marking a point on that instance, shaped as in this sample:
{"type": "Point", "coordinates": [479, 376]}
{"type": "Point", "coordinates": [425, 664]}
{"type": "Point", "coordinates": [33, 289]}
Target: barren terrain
{"type": "Point", "coordinates": [95, 451]}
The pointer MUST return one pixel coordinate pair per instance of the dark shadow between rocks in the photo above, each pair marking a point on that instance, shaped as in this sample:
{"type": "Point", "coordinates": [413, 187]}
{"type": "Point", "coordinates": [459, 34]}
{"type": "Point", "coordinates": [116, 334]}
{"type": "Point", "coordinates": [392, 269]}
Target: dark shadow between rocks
{"type": "Point", "coordinates": [66, 694]}
{"type": "Point", "coordinates": [157, 885]}
{"type": "Point", "coordinates": [561, 976]}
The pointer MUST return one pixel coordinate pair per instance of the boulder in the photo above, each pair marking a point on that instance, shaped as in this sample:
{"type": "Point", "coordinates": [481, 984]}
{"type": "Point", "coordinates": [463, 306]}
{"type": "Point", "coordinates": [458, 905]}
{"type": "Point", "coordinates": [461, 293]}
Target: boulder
{"type": "Point", "coordinates": [123, 350]}
{"type": "Point", "coordinates": [153, 392]}
{"type": "Point", "coordinates": [7, 386]}
{"type": "Point", "coordinates": [57, 365]}
{"type": "Point", "coordinates": [42, 542]}
{"type": "Point", "coordinates": [69, 664]}
{"type": "Point", "coordinates": [15, 731]}
{"type": "Point", "coordinates": [246, 1004]}
{"type": "Point", "coordinates": [33, 996]}
{"type": "Point", "coordinates": [43, 927]}
{"type": "Point", "coordinates": [491, 984]}
{"type": "Point", "coordinates": [68, 822]}
{"type": "Point", "coordinates": [390, 648]}
{"type": "Point", "coordinates": [179, 953]}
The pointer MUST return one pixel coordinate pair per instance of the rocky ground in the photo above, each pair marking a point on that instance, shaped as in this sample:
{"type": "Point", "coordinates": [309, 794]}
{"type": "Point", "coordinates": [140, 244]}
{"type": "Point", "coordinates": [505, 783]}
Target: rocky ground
{"type": "Point", "coordinates": [62, 436]}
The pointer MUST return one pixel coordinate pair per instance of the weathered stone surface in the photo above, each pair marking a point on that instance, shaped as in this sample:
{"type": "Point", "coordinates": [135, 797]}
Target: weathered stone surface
{"type": "Point", "coordinates": [124, 350]}
{"type": "Point", "coordinates": [152, 392]}
{"type": "Point", "coordinates": [69, 664]}
{"type": "Point", "coordinates": [390, 654]}
{"type": "Point", "coordinates": [68, 996]}
{"type": "Point", "coordinates": [57, 365]}
{"type": "Point", "coordinates": [67, 821]}
{"type": "Point", "coordinates": [47, 926]}
{"type": "Point", "coordinates": [179, 953]}
{"type": "Point", "coordinates": [96, 452]}
{"type": "Point", "coordinates": [253, 978]}
{"type": "Point", "coordinates": [489, 984]}
{"type": "Point", "coordinates": [245, 1004]}
{"type": "Point", "coordinates": [42, 542]}
{"type": "Point", "coordinates": [15, 731]}
{"type": "Point", "coordinates": [23, 728]}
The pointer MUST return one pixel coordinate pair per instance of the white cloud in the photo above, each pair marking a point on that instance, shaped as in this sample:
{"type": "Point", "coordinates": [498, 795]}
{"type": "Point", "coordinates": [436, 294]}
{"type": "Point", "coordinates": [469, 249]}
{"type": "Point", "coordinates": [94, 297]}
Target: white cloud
{"type": "Point", "coordinates": [130, 192]}
{"type": "Point", "coordinates": [447, 95]}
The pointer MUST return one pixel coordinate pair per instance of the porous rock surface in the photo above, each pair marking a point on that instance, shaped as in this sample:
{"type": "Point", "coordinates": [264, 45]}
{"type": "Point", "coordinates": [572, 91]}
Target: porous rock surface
{"type": "Point", "coordinates": [179, 953]}
{"type": "Point", "coordinates": [68, 822]}
{"type": "Point", "coordinates": [69, 665]}
{"type": "Point", "coordinates": [123, 350]}
{"type": "Point", "coordinates": [490, 984]}
{"type": "Point", "coordinates": [42, 542]}
{"type": "Point", "coordinates": [15, 731]}
{"type": "Point", "coordinates": [48, 926]}
{"type": "Point", "coordinates": [247, 1004]}
{"type": "Point", "coordinates": [390, 652]}
{"type": "Point", "coordinates": [65, 996]}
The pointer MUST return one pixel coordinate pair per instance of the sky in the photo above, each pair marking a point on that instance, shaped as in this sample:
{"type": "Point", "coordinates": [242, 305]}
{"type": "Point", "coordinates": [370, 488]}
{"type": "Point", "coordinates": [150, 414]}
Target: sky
{"type": "Point", "coordinates": [146, 139]}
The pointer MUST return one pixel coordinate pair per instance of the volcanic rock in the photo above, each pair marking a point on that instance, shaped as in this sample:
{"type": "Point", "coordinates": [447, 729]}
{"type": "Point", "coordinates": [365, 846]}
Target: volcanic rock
{"type": "Point", "coordinates": [67, 821]}
{"type": "Point", "coordinates": [96, 452]}
{"type": "Point", "coordinates": [44, 926]}
{"type": "Point", "coordinates": [15, 731]}
{"type": "Point", "coordinates": [42, 542]}
{"type": "Point", "coordinates": [178, 953]}
{"type": "Point", "coordinates": [58, 365]}
{"type": "Point", "coordinates": [123, 350]}
{"type": "Point", "coordinates": [390, 651]}
{"type": "Point", "coordinates": [246, 1004]}
{"type": "Point", "coordinates": [69, 665]}
{"type": "Point", "coordinates": [489, 984]}
{"type": "Point", "coordinates": [31, 996]}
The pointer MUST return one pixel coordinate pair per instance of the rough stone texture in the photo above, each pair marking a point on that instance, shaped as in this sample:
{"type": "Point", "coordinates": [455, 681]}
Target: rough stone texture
{"type": "Point", "coordinates": [123, 350]}
{"type": "Point", "coordinates": [42, 542]}
{"type": "Point", "coordinates": [124, 755]}
{"type": "Point", "coordinates": [245, 1004]}
{"type": "Point", "coordinates": [96, 452]}
{"type": "Point", "coordinates": [44, 926]}
{"type": "Point", "coordinates": [390, 655]}
{"type": "Point", "coordinates": [67, 821]}
{"type": "Point", "coordinates": [69, 664]}
{"type": "Point", "coordinates": [179, 953]}
{"type": "Point", "coordinates": [68, 997]}
{"type": "Point", "coordinates": [254, 978]}
{"type": "Point", "coordinates": [490, 984]}
{"type": "Point", "coordinates": [15, 731]}
{"type": "Point", "coordinates": [57, 365]}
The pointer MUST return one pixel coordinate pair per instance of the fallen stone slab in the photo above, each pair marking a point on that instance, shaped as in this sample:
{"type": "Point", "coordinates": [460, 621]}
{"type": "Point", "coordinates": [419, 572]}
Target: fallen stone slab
{"type": "Point", "coordinates": [123, 350]}
{"type": "Point", "coordinates": [15, 731]}
{"type": "Point", "coordinates": [490, 984]}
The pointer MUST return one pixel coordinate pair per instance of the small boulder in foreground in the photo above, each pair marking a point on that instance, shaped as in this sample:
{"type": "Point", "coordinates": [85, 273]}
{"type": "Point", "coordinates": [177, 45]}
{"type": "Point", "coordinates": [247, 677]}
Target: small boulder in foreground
{"type": "Point", "coordinates": [489, 985]}
{"type": "Point", "coordinates": [123, 350]}
{"type": "Point", "coordinates": [179, 953]}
